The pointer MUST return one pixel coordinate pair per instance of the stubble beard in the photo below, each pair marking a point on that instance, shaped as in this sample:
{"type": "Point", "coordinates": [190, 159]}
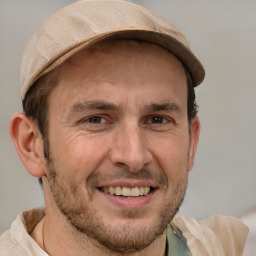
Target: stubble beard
{"type": "Point", "coordinates": [88, 222]}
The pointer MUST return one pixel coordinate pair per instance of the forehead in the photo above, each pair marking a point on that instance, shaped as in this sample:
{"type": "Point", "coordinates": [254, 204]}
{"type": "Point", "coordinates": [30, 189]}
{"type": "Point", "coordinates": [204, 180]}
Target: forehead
{"type": "Point", "coordinates": [128, 62]}
{"type": "Point", "coordinates": [128, 53]}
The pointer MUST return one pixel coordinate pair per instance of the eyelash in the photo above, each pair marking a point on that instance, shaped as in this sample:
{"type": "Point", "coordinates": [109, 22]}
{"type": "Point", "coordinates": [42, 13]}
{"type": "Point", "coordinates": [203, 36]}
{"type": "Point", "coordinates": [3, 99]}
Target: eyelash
{"type": "Point", "coordinates": [162, 119]}
{"type": "Point", "coordinates": [152, 120]}
{"type": "Point", "coordinates": [92, 118]}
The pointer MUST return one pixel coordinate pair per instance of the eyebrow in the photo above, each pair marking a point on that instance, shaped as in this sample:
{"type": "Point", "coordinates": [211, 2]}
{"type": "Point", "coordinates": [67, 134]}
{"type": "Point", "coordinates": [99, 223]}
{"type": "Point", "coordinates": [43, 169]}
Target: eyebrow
{"type": "Point", "coordinates": [163, 107]}
{"type": "Point", "coordinates": [82, 106]}
{"type": "Point", "coordinates": [88, 105]}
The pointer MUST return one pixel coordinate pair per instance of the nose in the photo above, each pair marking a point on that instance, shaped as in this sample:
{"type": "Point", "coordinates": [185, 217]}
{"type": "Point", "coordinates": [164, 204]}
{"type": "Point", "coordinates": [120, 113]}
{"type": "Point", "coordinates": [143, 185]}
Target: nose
{"type": "Point", "coordinates": [129, 148]}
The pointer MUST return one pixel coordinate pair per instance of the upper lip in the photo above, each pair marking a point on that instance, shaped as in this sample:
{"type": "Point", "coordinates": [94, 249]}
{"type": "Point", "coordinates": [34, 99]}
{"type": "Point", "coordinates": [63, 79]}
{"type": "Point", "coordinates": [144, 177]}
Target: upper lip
{"type": "Point", "coordinates": [129, 183]}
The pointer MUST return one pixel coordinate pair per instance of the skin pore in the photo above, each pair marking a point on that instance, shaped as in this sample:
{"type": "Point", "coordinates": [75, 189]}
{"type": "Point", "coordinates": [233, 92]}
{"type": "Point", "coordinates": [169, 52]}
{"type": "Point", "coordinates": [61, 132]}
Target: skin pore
{"type": "Point", "coordinates": [117, 121]}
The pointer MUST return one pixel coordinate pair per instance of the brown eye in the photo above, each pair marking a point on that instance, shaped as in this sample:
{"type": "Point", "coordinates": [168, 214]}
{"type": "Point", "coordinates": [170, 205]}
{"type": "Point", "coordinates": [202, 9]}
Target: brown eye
{"type": "Point", "coordinates": [157, 120]}
{"type": "Point", "coordinates": [95, 119]}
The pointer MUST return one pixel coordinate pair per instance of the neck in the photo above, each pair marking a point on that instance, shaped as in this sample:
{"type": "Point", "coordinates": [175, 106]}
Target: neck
{"type": "Point", "coordinates": [62, 240]}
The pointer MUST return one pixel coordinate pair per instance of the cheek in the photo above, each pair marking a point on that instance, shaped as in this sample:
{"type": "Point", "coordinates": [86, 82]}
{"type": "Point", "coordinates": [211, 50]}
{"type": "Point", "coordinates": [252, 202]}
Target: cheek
{"type": "Point", "coordinates": [171, 154]}
{"type": "Point", "coordinates": [78, 153]}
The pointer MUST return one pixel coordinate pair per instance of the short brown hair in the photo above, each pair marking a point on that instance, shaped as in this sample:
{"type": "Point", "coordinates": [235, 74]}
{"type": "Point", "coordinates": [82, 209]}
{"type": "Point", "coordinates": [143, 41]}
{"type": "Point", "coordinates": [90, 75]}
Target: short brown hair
{"type": "Point", "coordinates": [35, 104]}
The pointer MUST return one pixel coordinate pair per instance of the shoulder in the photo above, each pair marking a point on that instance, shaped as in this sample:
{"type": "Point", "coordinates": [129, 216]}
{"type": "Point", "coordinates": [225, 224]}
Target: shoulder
{"type": "Point", "coordinates": [17, 240]}
{"type": "Point", "coordinates": [217, 235]}
{"type": "Point", "coordinates": [9, 247]}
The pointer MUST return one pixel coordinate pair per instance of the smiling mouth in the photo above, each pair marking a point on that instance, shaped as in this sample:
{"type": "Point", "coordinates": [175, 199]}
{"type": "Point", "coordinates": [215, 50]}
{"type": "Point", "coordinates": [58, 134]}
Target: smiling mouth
{"type": "Point", "coordinates": [127, 192]}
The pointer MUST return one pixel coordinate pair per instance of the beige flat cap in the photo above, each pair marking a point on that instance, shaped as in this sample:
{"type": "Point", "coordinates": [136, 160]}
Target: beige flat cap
{"type": "Point", "coordinates": [86, 22]}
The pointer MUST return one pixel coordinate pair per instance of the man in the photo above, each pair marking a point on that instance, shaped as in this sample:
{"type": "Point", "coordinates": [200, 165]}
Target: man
{"type": "Point", "coordinates": [110, 128]}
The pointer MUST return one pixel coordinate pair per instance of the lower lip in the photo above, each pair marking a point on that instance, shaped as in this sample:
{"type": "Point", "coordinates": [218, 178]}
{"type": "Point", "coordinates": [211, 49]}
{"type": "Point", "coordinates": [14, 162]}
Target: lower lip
{"type": "Point", "coordinates": [129, 203]}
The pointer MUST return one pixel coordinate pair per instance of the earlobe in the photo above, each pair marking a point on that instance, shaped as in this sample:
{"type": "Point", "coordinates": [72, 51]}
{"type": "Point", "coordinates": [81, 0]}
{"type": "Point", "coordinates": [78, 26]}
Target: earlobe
{"type": "Point", "coordinates": [28, 143]}
{"type": "Point", "coordinates": [194, 138]}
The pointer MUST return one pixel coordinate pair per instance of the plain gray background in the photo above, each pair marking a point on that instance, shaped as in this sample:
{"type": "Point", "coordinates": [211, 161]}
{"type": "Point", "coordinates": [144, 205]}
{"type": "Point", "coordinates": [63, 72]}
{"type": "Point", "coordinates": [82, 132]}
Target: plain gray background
{"type": "Point", "coordinates": [223, 35]}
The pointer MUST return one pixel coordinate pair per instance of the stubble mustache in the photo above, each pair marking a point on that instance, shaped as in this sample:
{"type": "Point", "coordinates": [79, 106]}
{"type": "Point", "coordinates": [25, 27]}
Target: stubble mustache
{"type": "Point", "coordinates": [103, 176]}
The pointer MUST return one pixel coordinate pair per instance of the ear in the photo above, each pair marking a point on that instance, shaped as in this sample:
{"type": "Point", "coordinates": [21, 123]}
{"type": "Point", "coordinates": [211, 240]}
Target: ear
{"type": "Point", "coordinates": [194, 137]}
{"type": "Point", "coordinates": [28, 143]}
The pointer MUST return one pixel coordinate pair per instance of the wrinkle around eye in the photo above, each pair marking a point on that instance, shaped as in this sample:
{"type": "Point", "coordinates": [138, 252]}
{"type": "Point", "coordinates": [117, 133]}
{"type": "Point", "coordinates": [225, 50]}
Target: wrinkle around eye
{"type": "Point", "coordinates": [95, 123]}
{"type": "Point", "coordinates": [159, 123]}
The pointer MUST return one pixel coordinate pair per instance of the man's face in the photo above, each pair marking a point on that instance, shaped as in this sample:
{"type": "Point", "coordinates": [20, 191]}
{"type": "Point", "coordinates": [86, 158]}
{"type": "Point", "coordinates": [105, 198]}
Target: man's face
{"type": "Point", "coordinates": [119, 144]}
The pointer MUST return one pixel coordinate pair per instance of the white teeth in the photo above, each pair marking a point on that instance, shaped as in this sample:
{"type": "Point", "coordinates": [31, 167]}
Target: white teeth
{"type": "Point", "coordinates": [141, 191]}
{"type": "Point", "coordinates": [146, 190]}
{"type": "Point", "coordinates": [127, 192]}
{"type": "Point", "coordinates": [111, 190]}
{"type": "Point", "coordinates": [118, 191]}
{"type": "Point", "coordinates": [135, 191]}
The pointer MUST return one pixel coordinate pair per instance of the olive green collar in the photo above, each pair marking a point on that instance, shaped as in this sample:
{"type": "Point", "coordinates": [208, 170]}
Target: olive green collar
{"type": "Point", "coordinates": [176, 244]}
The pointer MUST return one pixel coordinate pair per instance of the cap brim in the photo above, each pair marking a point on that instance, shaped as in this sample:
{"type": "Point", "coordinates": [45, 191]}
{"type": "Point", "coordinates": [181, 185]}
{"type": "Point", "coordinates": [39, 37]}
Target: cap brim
{"type": "Point", "coordinates": [169, 43]}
